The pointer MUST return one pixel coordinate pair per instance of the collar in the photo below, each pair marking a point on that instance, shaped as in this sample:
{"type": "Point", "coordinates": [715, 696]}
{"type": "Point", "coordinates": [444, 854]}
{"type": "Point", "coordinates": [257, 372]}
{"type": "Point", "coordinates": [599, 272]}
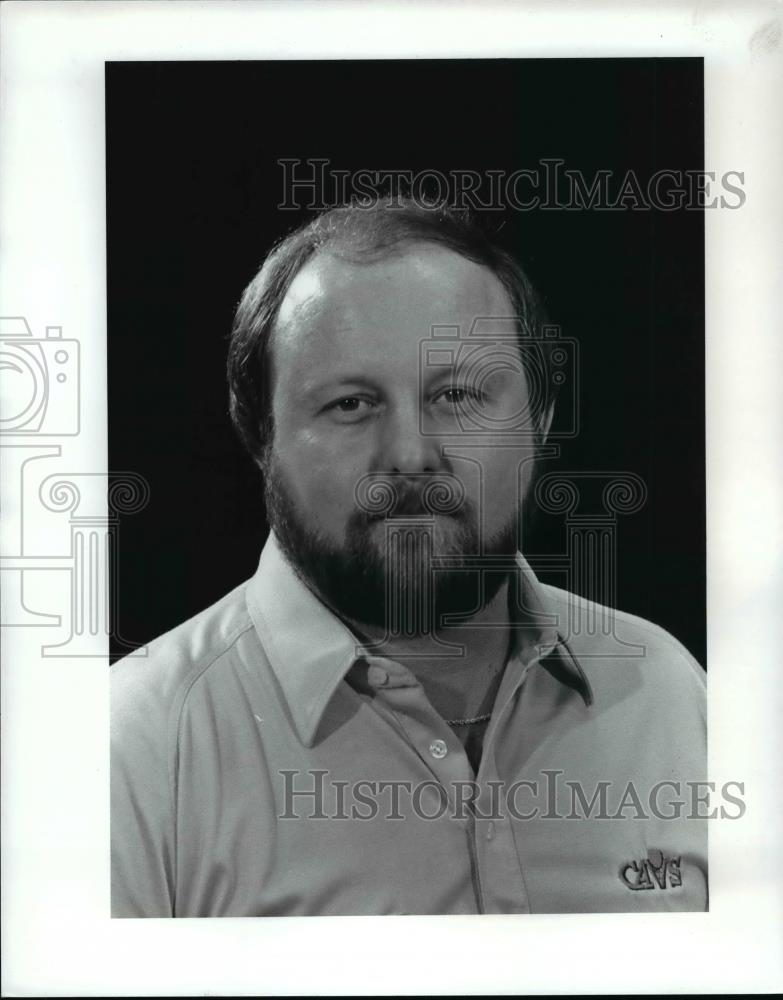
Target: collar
{"type": "Point", "coordinates": [534, 622]}
{"type": "Point", "coordinates": [310, 650]}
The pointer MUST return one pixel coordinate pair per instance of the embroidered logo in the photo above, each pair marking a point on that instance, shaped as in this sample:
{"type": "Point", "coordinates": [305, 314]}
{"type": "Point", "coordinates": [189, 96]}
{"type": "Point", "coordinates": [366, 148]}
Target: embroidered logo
{"type": "Point", "coordinates": [654, 871]}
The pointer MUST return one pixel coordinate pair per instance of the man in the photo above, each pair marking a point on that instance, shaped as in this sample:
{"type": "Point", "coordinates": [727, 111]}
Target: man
{"type": "Point", "coordinates": [393, 715]}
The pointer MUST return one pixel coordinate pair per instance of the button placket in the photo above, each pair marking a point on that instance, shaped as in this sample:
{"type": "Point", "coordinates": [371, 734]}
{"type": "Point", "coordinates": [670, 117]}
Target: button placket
{"type": "Point", "coordinates": [401, 699]}
{"type": "Point", "coordinates": [438, 748]}
{"type": "Point", "coordinates": [500, 870]}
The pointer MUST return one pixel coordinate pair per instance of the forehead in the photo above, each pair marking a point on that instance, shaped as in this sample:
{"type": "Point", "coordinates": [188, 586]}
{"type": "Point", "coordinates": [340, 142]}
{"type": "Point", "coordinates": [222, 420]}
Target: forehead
{"type": "Point", "coordinates": [338, 305]}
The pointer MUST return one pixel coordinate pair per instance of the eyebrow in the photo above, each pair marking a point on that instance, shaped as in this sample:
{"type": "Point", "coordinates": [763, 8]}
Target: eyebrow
{"type": "Point", "coordinates": [333, 383]}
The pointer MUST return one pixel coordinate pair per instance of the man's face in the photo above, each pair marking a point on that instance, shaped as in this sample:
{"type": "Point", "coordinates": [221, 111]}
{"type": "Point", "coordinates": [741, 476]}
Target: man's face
{"type": "Point", "coordinates": [368, 407]}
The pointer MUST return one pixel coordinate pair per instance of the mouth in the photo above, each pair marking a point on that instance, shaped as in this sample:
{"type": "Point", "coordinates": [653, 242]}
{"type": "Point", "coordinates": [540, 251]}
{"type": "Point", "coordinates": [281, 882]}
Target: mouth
{"type": "Point", "coordinates": [411, 514]}
{"type": "Point", "coordinates": [443, 530]}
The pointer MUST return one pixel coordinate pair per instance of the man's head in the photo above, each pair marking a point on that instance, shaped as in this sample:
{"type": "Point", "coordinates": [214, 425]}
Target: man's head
{"type": "Point", "coordinates": [364, 387]}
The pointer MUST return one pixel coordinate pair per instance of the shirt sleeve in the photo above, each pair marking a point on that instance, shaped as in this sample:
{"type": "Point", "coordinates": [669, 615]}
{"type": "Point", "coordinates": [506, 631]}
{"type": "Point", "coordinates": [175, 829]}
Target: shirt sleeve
{"type": "Point", "coordinates": [142, 816]}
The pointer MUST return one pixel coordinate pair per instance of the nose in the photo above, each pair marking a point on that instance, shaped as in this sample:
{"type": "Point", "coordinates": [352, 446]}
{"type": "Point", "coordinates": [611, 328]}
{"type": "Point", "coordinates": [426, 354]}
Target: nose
{"type": "Point", "coordinates": [405, 448]}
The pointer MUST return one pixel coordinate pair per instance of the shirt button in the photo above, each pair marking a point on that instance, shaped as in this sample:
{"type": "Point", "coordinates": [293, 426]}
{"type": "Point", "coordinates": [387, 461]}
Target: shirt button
{"type": "Point", "coordinates": [377, 676]}
{"type": "Point", "coordinates": [490, 830]}
{"type": "Point", "coordinates": [438, 749]}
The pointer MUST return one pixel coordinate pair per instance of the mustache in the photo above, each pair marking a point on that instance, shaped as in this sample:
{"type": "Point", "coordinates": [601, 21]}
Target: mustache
{"type": "Point", "coordinates": [380, 497]}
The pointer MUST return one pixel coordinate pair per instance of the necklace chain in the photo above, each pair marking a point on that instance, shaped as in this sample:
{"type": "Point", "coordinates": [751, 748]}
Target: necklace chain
{"type": "Point", "coordinates": [469, 722]}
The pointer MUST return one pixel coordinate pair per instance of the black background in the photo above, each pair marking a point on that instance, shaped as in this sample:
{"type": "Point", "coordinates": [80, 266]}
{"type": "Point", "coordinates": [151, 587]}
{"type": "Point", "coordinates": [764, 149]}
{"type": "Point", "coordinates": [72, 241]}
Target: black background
{"type": "Point", "coordinates": [192, 188]}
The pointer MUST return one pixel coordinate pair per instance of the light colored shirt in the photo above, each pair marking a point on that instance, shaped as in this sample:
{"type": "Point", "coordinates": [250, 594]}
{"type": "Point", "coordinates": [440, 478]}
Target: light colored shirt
{"type": "Point", "coordinates": [265, 764]}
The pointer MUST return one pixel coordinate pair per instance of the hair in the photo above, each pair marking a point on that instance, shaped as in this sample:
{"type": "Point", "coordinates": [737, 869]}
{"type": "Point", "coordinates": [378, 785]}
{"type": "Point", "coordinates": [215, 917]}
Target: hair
{"type": "Point", "coordinates": [364, 233]}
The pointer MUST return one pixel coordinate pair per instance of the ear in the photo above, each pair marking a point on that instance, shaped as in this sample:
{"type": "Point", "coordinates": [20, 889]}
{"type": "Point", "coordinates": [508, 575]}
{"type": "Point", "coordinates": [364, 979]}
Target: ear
{"type": "Point", "coordinates": [546, 421]}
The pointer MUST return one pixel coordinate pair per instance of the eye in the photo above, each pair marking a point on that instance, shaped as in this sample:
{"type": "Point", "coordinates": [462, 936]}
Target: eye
{"type": "Point", "coordinates": [458, 395]}
{"type": "Point", "coordinates": [349, 404]}
{"type": "Point", "coordinates": [350, 409]}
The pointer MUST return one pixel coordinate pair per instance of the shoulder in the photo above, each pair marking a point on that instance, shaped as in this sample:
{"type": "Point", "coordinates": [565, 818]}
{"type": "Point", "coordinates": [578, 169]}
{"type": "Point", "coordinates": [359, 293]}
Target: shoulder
{"type": "Point", "coordinates": [149, 684]}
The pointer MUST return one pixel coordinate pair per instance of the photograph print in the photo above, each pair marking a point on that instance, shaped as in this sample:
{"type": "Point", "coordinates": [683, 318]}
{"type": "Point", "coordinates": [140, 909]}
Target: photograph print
{"type": "Point", "coordinates": [409, 355]}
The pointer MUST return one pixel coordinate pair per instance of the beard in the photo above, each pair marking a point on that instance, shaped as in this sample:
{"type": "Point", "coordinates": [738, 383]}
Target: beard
{"type": "Point", "coordinates": [400, 569]}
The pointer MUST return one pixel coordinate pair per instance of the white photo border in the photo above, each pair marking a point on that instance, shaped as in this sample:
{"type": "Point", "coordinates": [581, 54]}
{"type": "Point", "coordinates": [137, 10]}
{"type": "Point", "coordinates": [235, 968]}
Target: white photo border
{"type": "Point", "coordinates": [58, 938]}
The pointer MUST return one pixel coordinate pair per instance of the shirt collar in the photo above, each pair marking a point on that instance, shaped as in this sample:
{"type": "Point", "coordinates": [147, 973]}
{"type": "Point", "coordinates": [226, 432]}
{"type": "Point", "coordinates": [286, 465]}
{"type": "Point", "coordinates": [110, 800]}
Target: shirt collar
{"type": "Point", "coordinates": [310, 650]}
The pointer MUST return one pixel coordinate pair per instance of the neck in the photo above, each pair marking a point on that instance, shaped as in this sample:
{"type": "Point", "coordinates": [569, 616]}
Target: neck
{"type": "Point", "coordinates": [458, 666]}
{"type": "Point", "coordinates": [484, 636]}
